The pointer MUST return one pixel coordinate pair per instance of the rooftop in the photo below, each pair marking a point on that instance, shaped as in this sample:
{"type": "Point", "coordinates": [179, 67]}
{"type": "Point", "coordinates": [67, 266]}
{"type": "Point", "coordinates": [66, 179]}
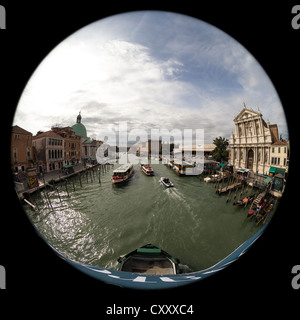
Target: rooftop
{"type": "Point", "coordinates": [17, 129]}
{"type": "Point", "coordinates": [49, 133]}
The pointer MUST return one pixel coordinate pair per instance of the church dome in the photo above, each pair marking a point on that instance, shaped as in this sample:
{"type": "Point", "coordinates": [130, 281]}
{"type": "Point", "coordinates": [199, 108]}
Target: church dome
{"type": "Point", "coordinates": [78, 128]}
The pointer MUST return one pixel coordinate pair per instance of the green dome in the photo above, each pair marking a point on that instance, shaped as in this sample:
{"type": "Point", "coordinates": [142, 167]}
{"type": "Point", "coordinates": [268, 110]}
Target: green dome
{"type": "Point", "coordinates": [78, 128]}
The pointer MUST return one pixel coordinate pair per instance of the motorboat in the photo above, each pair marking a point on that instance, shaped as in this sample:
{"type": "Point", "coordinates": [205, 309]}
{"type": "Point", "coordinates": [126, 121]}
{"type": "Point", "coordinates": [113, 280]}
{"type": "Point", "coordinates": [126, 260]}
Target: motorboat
{"type": "Point", "coordinates": [166, 182]}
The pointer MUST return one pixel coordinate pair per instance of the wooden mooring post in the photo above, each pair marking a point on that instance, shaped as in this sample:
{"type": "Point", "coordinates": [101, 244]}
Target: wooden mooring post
{"type": "Point", "coordinates": [58, 194]}
{"type": "Point", "coordinates": [73, 184]}
{"type": "Point", "coordinates": [80, 179]}
{"type": "Point", "coordinates": [28, 202]}
{"type": "Point", "coordinates": [48, 199]}
{"type": "Point", "coordinates": [99, 175]}
{"type": "Point", "coordinates": [66, 184]}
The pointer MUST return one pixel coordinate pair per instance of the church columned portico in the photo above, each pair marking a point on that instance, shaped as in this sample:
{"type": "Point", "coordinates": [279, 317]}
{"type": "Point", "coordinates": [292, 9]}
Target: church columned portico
{"type": "Point", "coordinates": [251, 142]}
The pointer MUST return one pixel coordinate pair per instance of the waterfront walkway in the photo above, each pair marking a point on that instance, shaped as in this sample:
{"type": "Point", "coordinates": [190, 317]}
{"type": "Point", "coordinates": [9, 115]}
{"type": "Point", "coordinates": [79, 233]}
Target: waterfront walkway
{"type": "Point", "coordinates": [48, 178]}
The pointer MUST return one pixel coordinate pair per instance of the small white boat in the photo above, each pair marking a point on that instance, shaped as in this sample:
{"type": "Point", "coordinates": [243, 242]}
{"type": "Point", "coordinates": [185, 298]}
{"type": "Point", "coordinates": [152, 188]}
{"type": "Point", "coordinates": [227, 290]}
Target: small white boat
{"type": "Point", "coordinates": [212, 178]}
{"type": "Point", "coordinates": [166, 182]}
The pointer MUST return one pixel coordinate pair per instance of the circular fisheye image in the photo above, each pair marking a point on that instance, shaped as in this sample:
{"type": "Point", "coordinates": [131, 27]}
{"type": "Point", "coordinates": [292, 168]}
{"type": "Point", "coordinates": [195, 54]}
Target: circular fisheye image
{"type": "Point", "coordinates": [149, 149]}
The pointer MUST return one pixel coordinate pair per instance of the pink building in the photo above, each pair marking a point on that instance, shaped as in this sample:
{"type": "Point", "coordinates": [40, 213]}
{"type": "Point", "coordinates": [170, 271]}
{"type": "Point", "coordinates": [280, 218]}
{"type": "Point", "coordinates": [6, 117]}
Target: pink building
{"type": "Point", "coordinates": [49, 151]}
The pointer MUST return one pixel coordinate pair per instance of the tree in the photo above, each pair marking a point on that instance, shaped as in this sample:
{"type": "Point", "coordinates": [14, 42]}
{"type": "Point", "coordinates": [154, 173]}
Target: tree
{"type": "Point", "coordinates": [220, 152]}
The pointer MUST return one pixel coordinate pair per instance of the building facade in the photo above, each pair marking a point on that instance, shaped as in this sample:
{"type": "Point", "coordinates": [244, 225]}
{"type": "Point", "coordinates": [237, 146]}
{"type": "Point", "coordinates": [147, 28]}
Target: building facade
{"type": "Point", "coordinates": [72, 145]}
{"type": "Point", "coordinates": [251, 142]}
{"type": "Point", "coordinates": [21, 149]}
{"type": "Point", "coordinates": [280, 155]}
{"type": "Point", "coordinates": [49, 151]}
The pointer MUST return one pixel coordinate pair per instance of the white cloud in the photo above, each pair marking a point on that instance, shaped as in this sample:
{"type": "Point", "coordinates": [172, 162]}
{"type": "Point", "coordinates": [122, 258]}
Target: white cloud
{"type": "Point", "coordinates": [175, 72]}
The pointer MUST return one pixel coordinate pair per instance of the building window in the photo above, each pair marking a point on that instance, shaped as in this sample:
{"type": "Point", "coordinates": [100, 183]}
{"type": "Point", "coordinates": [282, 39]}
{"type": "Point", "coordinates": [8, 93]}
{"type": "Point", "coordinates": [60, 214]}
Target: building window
{"type": "Point", "coordinates": [278, 162]}
{"type": "Point", "coordinates": [284, 149]}
{"type": "Point", "coordinates": [278, 149]}
{"type": "Point", "coordinates": [273, 150]}
{"type": "Point", "coordinates": [284, 162]}
{"type": "Point", "coordinates": [15, 154]}
{"type": "Point", "coordinates": [28, 153]}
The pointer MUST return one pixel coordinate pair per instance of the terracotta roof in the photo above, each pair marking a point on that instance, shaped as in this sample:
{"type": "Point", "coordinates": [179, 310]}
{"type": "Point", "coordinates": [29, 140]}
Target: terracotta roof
{"type": "Point", "coordinates": [49, 133]}
{"type": "Point", "coordinates": [17, 129]}
{"type": "Point", "coordinates": [279, 143]}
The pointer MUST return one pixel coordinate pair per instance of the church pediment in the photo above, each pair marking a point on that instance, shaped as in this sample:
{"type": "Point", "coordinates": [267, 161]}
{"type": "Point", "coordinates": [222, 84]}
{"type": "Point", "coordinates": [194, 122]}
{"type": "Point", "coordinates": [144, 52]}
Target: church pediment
{"type": "Point", "coordinates": [246, 114]}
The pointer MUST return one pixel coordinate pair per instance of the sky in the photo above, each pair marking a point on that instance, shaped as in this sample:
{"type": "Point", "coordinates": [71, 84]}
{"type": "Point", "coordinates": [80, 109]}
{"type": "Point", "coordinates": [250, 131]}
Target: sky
{"type": "Point", "coordinates": [151, 69]}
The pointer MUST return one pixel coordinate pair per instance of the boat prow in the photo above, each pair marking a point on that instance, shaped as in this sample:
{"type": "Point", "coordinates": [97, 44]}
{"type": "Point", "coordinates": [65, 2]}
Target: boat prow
{"type": "Point", "coordinates": [148, 259]}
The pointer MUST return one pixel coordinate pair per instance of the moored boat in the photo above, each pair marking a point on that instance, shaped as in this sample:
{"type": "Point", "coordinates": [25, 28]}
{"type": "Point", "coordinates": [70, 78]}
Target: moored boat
{"type": "Point", "coordinates": [147, 170]}
{"type": "Point", "coordinates": [213, 178]}
{"type": "Point", "coordinates": [148, 259]}
{"type": "Point", "coordinates": [257, 208]}
{"type": "Point", "coordinates": [263, 214]}
{"type": "Point", "coordinates": [244, 201]}
{"type": "Point", "coordinates": [122, 173]}
{"type": "Point", "coordinates": [166, 182]}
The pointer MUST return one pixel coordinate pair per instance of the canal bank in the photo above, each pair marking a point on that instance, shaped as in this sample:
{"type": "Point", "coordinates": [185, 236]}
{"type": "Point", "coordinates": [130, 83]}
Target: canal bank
{"type": "Point", "coordinates": [49, 179]}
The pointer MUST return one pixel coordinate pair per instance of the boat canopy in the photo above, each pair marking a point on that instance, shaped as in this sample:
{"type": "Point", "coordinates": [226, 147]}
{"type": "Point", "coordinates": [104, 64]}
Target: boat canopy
{"type": "Point", "coordinates": [124, 168]}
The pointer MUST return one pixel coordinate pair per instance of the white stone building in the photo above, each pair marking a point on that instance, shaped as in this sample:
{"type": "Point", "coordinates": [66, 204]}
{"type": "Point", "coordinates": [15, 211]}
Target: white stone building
{"type": "Point", "coordinates": [250, 144]}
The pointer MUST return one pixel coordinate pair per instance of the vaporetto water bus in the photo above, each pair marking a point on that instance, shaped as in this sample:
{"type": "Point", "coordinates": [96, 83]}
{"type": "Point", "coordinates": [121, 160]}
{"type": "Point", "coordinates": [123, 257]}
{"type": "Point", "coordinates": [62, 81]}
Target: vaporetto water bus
{"type": "Point", "coordinates": [122, 174]}
{"type": "Point", "coordinates": [147, 169]}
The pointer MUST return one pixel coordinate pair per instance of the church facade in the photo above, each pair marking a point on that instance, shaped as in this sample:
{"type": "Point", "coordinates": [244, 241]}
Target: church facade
{"type": "Point", "coordinates": [251, 142]}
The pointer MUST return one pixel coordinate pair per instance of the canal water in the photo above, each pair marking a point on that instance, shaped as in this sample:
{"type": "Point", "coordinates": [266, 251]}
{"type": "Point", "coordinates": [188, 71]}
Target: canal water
{"type": "Point", "coordinates": [97, 223]}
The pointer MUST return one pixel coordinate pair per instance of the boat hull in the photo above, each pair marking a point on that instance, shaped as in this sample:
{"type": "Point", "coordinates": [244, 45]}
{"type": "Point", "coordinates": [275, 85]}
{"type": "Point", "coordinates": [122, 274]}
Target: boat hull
{"type": "Point", "coordinates": [165, 184]}
{"type": "Point", "coordinates": [148, 259]}
{"type": "Point", "coordinates": [120, 179]}
{"type": "Point", "coordinates": [147, 170]}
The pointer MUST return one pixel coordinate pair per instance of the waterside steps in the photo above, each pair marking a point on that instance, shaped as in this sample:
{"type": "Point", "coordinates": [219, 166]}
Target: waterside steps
{"type": "Point", "coordinates": [258, 199]}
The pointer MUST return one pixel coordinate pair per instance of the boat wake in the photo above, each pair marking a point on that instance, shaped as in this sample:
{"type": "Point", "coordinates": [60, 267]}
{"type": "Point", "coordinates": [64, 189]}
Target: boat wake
{"type": "Point", "coordinates": [178, 196]}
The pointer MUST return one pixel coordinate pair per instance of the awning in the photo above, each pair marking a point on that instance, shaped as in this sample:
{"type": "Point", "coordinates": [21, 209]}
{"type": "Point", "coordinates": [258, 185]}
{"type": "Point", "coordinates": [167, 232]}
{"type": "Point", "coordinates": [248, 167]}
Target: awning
{"type": "Point", "coordinates": [267, 180]}
{"type": "Point", "coordinates": [222, 164]}
{"type": "Point", "coordinates": [68, 166]}
{"type": "Point", "coordinates": [280, 171]}
{"type": "Point", "coordinates": [272, 170]}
